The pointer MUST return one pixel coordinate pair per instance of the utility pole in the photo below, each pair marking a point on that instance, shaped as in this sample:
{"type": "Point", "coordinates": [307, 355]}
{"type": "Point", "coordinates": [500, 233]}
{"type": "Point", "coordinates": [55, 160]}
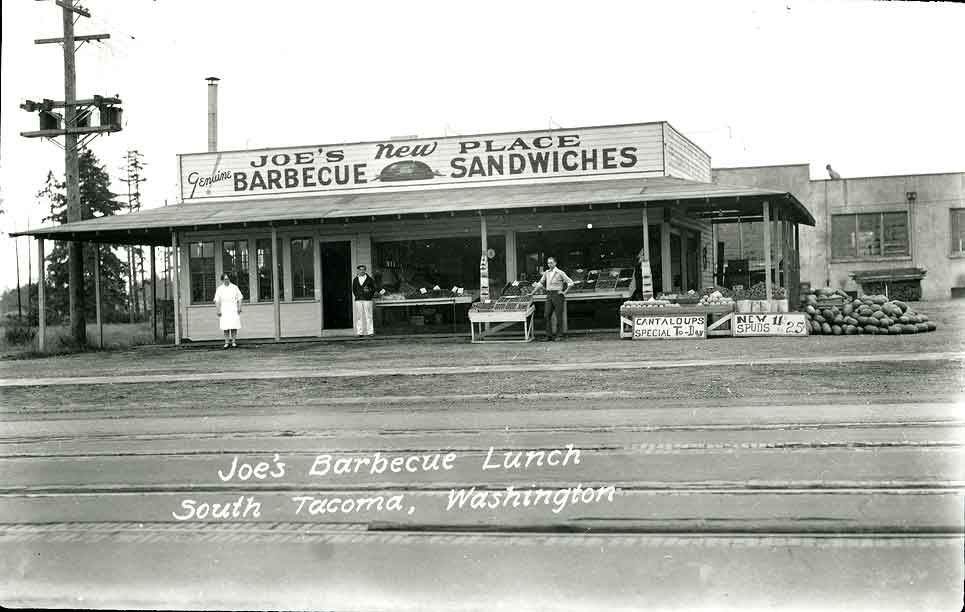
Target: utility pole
{"type": "Point", "coordinates": [76, 131]}
{"type": "Point", "coordinates": [78, 322]}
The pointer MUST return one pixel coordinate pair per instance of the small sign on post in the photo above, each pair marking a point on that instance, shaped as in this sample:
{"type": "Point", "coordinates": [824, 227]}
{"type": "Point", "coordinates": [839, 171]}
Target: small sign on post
{"type": "Point", "coordinates": [484, 279]}
{"type": "Point", "coordinates": [669, 326]}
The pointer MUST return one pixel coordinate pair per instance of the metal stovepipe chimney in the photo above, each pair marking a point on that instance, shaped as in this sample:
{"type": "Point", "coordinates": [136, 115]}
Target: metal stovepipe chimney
{"type": "Point", "coordinates": [212, 113]}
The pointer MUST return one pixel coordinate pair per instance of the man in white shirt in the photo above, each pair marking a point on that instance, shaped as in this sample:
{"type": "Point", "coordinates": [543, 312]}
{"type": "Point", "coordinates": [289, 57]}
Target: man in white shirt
{"type": "Point", "coordinates": [556, 283]}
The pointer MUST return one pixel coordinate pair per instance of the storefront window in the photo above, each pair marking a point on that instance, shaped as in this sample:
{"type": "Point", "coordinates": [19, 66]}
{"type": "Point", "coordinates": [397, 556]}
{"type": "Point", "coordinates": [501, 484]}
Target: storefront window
{"type": "Point", "coordinates": [234, 262]}
{"type": "Point", "coordinates": [743, 252]}
{"type": "Point", "coordinates": [582, 249]}
{"type": "Point", "coordinates": [408, 266]}
{"type": "Point", "coordinates": [409, 271]}
{"type": "Point", "coordinates": [201, 265]}
{"type": "Point", "coordinates": [869, 235]}
{"type": "Point", "coordinates": [958, 230]}
{"type": "Point", "coordinates": [303, 269]}
{"type": "Point", "coordinates": [264, 258]}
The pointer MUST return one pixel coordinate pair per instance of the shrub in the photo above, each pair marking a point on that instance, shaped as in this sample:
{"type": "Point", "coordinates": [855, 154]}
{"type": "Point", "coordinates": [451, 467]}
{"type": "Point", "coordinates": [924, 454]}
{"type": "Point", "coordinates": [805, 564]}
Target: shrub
{"type": "Point", "coordinates": [19, 335]}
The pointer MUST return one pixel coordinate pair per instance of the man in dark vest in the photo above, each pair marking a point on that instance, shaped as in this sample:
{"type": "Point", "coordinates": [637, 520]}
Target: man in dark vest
{"type": "Point", "coordinates": [363, 289]}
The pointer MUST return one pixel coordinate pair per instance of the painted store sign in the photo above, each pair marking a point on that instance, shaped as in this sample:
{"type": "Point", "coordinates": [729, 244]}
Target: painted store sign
{"type": "Point", "coordinates": [643, 150]}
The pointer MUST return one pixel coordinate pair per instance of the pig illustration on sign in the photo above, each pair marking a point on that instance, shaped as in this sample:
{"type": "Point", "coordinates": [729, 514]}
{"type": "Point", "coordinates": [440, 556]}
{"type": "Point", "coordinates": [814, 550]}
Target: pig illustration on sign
{"type": "Point", "coordinates": [407, 170]}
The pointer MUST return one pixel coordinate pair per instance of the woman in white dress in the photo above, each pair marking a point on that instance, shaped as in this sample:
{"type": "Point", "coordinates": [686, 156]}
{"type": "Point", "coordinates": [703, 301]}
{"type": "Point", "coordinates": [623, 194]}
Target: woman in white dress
{"type": "Point", "coordinates": [228, 301]}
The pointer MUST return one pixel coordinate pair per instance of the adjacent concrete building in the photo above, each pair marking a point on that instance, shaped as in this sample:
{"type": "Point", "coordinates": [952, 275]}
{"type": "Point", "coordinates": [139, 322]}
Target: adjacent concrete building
{"type": "Point", "coordinates": [879, 224]}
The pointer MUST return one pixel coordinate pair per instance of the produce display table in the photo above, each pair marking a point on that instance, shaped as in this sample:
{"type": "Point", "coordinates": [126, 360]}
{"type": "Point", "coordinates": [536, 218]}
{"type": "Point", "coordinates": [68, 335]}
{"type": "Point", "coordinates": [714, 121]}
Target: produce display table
{"type": "Point", "coordinates": [502, 319]}
{"type": "Point", "coordinates": [434, 301]}
{"type": "Point", "coordinates": [426, 301]}
{"type": "Point", "coordinates": [582, 296]}
{"type": "Point", "coordinates": [709, 317]}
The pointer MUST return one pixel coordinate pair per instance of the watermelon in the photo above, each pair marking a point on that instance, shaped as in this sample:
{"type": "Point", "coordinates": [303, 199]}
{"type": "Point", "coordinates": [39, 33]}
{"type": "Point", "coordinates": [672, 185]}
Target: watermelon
{"type": "Point", "coordinates": [836, 330]}
{"type": "Point", "coordinates": [886, 322]}
{"type": "Point", "coordinates": [904, 319]}
{"type": "Point", "coordinates": [811, 310]}
{"type": "Point", "coordinates": [859, 329]}
{"type": "Point", "coordinates": [909, 329]}
{"type": "Point", "coordinates": [932, 326]}
{"type": "Point", "coordinates": [847, 310]}
{"type": "Point", "coordinates": [827, 313]}
{"type": "Point", "coordinates": [924, 318]}
{"type": "Point", "coordinates": [878, 314]}
{"type": "Point", "coordinates": [870, 329]}
{"type": "Point", "coordinates": [819, 319]}
{"type": "Point", "coordinates": [837, 320]}
{"type": "Point", "coordinates": [879, 299]}
{"type": "Point", "coordinates": [921, 327]}
{"type": "Point", "coordinates": [825, 329]}
{"type": "Point", "coordinates": [894, 329]}
{"type": "Point", "coordinates": [850, 330]}
{"type": "Point", "coordinates": [811, 299]}
{"type": "Point", "coordinates": [865, 311]}
{"type": "Point", "coordinates": [850, 321]}
{"type": "Point", "coordinates": [815, 327]}
{"type": "Point", "coordinates": [901, 305]}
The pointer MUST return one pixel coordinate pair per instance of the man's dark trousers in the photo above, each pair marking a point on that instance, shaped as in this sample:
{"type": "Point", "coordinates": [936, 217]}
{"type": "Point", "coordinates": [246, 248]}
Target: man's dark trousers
{"type": "Point", "coordinates": [554, 303]}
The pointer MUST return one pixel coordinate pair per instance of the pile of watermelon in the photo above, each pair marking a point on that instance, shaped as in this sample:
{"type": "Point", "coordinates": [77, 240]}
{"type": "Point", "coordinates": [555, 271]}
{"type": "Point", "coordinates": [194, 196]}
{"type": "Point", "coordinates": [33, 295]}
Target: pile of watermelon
{"type": "Point", "coordinates": [873, 314]}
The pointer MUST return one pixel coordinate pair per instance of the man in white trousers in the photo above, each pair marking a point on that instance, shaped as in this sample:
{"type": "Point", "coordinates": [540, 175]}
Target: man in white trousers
{"type": "Point", "coordinates": [363, 288]}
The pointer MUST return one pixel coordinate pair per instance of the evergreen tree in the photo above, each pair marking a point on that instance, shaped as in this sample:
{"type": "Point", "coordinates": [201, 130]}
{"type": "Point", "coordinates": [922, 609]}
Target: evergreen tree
{"type": "Point", "coordinates": [96, 200]}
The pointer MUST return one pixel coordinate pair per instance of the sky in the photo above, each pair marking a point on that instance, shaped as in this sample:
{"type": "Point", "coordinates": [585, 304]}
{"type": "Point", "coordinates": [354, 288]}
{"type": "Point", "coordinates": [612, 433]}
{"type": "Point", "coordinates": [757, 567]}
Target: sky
{"type": "Point", "coordinates": [874, 88]}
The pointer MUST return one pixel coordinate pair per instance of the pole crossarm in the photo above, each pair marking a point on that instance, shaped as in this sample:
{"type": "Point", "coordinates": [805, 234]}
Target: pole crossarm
{"type": "Point", "coordinates": [98, 129]}
{"type": "Point", "coordinates": [77, 9]}
{"type": "Point", "coordinates": [78, 38]}
{"type": "Point", "coordinates": [30, 105]}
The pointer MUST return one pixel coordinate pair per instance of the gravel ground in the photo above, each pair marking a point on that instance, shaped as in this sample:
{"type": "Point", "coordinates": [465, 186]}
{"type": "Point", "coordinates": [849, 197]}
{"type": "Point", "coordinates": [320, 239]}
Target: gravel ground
{"type": "Point", "coordinates": [785, 383]}
{"type": "Point", "coordinates": [448, 351]}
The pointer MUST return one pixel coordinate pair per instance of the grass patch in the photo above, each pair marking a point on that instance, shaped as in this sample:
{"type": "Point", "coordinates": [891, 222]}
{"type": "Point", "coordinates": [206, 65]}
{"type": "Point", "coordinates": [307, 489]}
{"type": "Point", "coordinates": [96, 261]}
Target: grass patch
{"type": "Point", "coordinates": [59, 341]}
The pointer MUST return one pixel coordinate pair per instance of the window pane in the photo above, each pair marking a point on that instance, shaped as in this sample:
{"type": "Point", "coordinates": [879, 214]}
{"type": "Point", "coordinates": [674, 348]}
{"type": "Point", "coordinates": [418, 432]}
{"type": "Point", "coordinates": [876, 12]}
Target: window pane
{"type": "Point", "coordinates": [234, 260]}
{"type": "Point", "coordinates": [843, 236]}
{"type": "Point", "coordinates": [303, 269]}
{"type": "Point", "coordinates": [201, 267]}
{"type": "Point", "coordinates": [868, 238]}
{"type": "Point", "coordinates": [958, 230]}
{"type": "Point", "coordinates": [264, 258]}
{"type": "Point", "coordinates": [895, 240]}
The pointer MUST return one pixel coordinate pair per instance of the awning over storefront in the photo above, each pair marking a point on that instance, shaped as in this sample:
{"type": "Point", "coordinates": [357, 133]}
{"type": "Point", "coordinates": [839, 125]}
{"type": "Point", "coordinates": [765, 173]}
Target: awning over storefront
{"type": "Point", "coordinates": [711, 201]}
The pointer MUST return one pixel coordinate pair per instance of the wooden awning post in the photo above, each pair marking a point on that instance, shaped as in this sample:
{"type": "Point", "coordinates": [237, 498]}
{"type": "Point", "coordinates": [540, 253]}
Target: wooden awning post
{"type": "Point", "coordinates": [97, 294]}
{"type": "Point", "coordinates": [666, 274]}
{"type": "Point", "coordinates": [276, 299]}
{"type": "Point", "coordinates": [154, 294]}
{"type": "Point", "coordinates": [767, 249]}
{"type": "Point", "coordinates": [780, 270]}
{"type": "Point", "coordinates": [646, 235]}
{"type": "Point", "coordinates": [176, 287]}
{"type": "Point", "coordinates": [483, 234]}
{"type": "Point", "coordinates": [41, 301]}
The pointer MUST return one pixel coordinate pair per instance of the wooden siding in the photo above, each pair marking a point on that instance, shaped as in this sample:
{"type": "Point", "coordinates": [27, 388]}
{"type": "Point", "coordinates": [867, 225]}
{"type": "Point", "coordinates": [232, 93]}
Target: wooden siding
{"type": "Point", "coordinates": [298, 319]}
{"type": "Point", "coordinates": [212, 175]}
{"type": "Point", "coordinates": [684, 159]}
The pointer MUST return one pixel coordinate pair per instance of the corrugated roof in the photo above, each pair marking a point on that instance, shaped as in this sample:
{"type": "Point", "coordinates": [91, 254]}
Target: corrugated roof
{"type": "Point", "coordinates": [382, 204]}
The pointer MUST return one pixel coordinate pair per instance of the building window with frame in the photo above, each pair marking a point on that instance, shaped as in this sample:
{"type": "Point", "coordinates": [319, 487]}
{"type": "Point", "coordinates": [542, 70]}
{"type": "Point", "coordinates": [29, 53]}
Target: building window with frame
{"type": "Point", "coordinates": [201, 266]}
{"type": "Point", "coordinates": [869, 235]}
{"type": "Point", "coordinates": [957, 226]}
{"type": "Point", "coordinates": [264, 256]}
{"type": "Point", "coordinates": [303, 269]}
{"type": "Point", "coordinates": [234, 263]}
